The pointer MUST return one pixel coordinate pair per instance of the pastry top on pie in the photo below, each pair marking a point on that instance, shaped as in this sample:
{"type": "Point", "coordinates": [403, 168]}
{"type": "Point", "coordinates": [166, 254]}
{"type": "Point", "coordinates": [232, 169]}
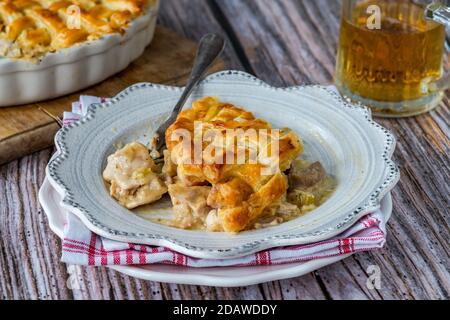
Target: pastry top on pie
{"type": "Point", "coordinates": [221, 121]}
{"type": "Point", "coordinates": [240, 190]}
{"type": "Point", "coordinates": [31, 28]}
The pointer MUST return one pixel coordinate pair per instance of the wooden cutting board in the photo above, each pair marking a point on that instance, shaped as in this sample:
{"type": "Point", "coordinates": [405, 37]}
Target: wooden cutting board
{"type": "Point", "coordinates": [26, 129]}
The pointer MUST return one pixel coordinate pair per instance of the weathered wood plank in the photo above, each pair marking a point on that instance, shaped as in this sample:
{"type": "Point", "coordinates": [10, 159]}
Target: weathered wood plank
{"type": "Point", "coordinates": [30, 252]}
{"type": "Point", "coordinates": [193, 19]}
{"type": "Point", "coordinates": [307, 287]}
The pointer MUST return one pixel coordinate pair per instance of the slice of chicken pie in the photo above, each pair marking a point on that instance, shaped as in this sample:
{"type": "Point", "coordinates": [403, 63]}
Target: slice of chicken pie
{"type": "Point", "coordinates": [223, 168]}
{"type": "Point", "coordinates": [229, 154]}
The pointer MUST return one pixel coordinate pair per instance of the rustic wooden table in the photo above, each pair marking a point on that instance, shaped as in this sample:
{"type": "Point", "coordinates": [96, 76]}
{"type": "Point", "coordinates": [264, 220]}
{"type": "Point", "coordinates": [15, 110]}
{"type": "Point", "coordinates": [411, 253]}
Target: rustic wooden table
{"type": "Point", "coordinates": [284, 42]}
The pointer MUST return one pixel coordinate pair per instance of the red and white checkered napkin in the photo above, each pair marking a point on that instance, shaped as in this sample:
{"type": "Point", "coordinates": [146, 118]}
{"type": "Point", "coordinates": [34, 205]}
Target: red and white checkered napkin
{"type": "Point", "coordinates": [83, 247]}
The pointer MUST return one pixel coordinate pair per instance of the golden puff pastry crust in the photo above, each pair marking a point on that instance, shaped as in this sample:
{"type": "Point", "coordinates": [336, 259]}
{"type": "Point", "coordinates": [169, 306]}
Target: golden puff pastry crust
{"type": "Point", "coordinates": [31, 28]}
{"type": "Point", "coordinates": [240, 190]}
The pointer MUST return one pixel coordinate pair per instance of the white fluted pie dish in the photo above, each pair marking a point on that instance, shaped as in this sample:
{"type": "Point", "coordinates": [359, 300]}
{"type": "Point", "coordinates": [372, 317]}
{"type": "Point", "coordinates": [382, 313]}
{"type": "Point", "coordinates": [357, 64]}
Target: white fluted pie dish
{"type": "Point", "coordinates": [343, 137]}
{"type": "Point", "coordinates": [75, 68]}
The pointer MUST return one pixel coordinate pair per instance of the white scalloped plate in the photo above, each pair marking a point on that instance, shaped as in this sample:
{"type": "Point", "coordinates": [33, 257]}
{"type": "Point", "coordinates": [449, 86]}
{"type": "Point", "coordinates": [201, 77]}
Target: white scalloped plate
{"type": "Point", "coordinates": [343, 137]}
{"type": "Point", "coordinates": [217, 277]}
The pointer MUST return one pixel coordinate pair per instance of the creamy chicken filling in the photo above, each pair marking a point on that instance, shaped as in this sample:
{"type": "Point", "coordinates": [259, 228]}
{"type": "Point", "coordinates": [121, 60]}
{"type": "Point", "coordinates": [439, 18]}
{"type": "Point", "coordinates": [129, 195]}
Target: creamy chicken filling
{"type": "Point", "coordinates": [133, 177]}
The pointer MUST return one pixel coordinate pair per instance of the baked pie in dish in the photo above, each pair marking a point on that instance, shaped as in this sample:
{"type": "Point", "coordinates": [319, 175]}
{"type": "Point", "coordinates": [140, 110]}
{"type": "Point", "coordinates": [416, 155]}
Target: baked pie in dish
{"type": "Point", "coordinates": [32, 28]}
{"type": "Point", "coordinates": [224, 170]}
{"type": "Point", "coordinates": [55, 47]}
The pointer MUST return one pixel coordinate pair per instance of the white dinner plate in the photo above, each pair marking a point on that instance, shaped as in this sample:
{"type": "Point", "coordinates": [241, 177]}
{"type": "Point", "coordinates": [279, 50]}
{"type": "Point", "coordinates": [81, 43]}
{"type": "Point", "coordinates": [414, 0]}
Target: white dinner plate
{"type": "Point", "coordinates": [219, 277]}
{"type": "Point", "coordinates": [343, 137]}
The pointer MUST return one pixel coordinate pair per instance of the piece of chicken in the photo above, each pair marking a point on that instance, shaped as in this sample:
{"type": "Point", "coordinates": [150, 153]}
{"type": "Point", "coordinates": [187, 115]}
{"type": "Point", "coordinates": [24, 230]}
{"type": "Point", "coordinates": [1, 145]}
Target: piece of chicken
{"type": "Point", "coordinates": [189, 205]}
{"type": "Point", "coordinates": [133, 178]}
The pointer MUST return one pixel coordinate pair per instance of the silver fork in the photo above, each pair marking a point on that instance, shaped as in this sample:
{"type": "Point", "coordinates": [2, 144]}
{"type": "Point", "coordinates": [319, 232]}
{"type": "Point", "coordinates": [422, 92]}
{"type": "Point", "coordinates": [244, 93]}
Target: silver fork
{"type": "Point", "coordinates": [210, 47]}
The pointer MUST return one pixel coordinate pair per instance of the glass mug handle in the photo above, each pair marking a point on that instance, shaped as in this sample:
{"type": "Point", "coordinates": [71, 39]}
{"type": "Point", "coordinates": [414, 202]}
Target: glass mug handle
{"type": "Point", "coordinates": [440, 14]}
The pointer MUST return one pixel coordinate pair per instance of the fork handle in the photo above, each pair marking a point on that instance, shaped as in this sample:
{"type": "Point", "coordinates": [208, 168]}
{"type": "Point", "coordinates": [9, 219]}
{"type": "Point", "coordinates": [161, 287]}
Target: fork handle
{"type": "Point", "coordinates": [211, 45]}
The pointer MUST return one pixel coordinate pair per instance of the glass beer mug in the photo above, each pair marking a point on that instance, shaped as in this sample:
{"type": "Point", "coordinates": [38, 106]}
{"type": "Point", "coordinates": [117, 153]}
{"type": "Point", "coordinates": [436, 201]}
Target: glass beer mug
{"type": "Point", "coordinates": [390, 55]}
